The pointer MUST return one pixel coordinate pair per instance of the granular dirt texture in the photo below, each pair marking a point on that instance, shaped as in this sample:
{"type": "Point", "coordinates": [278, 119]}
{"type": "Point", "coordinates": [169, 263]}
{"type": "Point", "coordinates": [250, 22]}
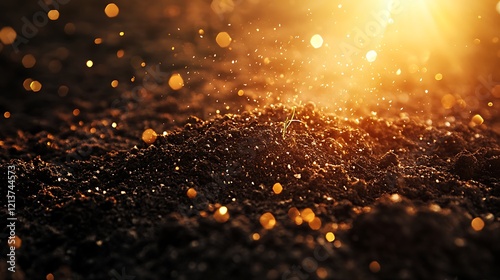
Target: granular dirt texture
{"type": "Point", "coordinates": [398, 195]}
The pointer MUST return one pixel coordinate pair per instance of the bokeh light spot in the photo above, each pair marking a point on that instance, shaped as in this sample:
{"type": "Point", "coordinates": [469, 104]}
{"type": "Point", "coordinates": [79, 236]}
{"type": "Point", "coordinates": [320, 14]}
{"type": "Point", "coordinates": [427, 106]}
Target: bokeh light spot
{"type": "Point", "coordinates": [223, 39]}
{"type": "Point", "coordinates": [267, 220]}
{"type": "Point", "coordinates": [111, 10]}
{"type": "Point", "coordinates": [35, 86]}
{"type": "Point", "coordinates": [53, 14]}
{"type": "Point", "coordinates": [28, 61]}
{"type": "Point", "coordinates": [371, 56]}
{"type": "Point", "coordinates": [330, 236]}
{"type": "Point", "coordinates": [7, 35]}
{"type": "Point", "coordinates": [316, 41]}
{"type": "Point", "coordinates": [277, 188]}
{"type": "Point", "coordinates": [477, 224]}
{"type": "Point", "coordinates": [374, 267]}
{"type": "Point", "coordinates": [176, 82]}
{"type": "Point", "coordinates": [149, 136]}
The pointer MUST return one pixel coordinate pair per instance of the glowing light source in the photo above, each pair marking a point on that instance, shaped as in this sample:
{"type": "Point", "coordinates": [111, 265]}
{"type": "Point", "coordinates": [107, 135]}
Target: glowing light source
{"type": "Point", "coordinates": [316, 41]}
{"type": "Point", "coordinates": [223, 39]}
{"type": "Point", "coordinates": [111, 10]}
{"type": "Point", "coordinates": [191, 193]}
{"type": "Point", "coordinates": [267, 220]}
{"type": "Point", "coordinates": [89, 63]}
{"type": "Point", "coordinates": [307, 215]}
{"type": "Point", "coordinates": [330, 237]}
{"type": "Point", "coordinates": [315, 224]}
{"type": "Point", "coordinates": [477, 224]}
{"type": "Point", "coordinates": [221, 215]}
{"type": "Point", "coordinates": [448, 101]}
{"type": "Point", "coordinates": [374, 267]}
{"type": "Point", "coordinates": [53, 14]}
{"type": "Point", "coordinates": [176, 82]}
{"type": "Point", "coordinates": [277, 188]}
{"type": "Point", "coordinates": [477, 120]}
{"type": "Point", "coordinates": [371, 56]}
{"type": "Point", "coordinates": [7, 35]}
{"type": "Point", "coordinates": [149, 136]}
{"type": "Point", "coordinates": [28, 61]}
{"type": "Point", "coordinates": [35, 86]}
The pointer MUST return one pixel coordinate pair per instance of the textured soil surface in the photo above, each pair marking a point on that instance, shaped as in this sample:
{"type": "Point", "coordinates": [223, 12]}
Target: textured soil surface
{"type": "Point", "coordinates": [394, 195]}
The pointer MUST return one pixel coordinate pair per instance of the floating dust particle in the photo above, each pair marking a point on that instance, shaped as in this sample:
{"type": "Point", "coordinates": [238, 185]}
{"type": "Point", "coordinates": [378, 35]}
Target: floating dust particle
{"type": "Point", "coordinates": [6, 115]}
{"type": "Point", "coordinates": [316, 41]}
{"type": "Point", "coordinates": [255, 236]}
{"type": "Point", "coordinates": [221, 215]}
{"type": "Point", "coordinates": [98, 41]}
{"type": "Point", "coordinates": [176, 82]}
{"type": "Point", "coordinates": [120, 53]}
{"type": "Point", "coordinates": [223, 39]}
{"type": "Point", "coordinates": [477, 224]}
{"type": "Point", "coordinates": [307, 215]}
{"type": "Point", "coordinates": [337, 244]}
{"type": "Point", "coordinates": [330, 236]}
{"type": "Point", "coordinates": [177, 168]}
{"type": "Point", "coordinates": [438, 77]}
{"type": "Point", "coordinates": [201, 31]}
{"type": "Point", "coordinates": [98, 243]}
{"type": "Point", "coordinates": [476, 120]}
{"type": "Point", "coordinates": [149, 136]}
{"type": "Point", "coordinates": [76, 112]}
{"type": "Point", "coordinates": [448, 101]}
{"type": "Point", "coordinates": [277, 188]}
{"type": "Point", "coordinates": [28, 61]}
{"type": "Point", "coordinates": [35, 86]}
{"type": "Point", "coordinates": [398, 72]}
{"type": "Point", "coordinates": [371, 56]}
{"type": "Point", "coordinates": [315, 224]}
{"type": "Point", "coordinates": [113, 125]}
{"type": "Point", "coordinates": [17, 242]}
{"type": "Point", "coordinates": [53, 14]}
{"type": "Point", "coordinates": [490, 104]}
{"type": "Point", "coordinates": [267, 61]}
{"type": "Point", "coordinates": [89, 63]}
{"type": "Point", "coordinates": [322, 273]}
{"type": "Point", "coordinates": [374, 267]}
{"type": "Point", "coordinates": [191, 193]}
{"type": "Point", "coordinates": [49, 276]}
{"type": "Point", "coordinates": [114, 83]}
{"type": "Point", "coordinates": [267, 220]}
{"type": "Point", "coordinates": [111, 10]}
{"type": "Point", "coordinates": [121, 33]}
{"type": "Point", "coordinates": [7, 35]}
{"type": "Point", "coordinates": [241, 92]}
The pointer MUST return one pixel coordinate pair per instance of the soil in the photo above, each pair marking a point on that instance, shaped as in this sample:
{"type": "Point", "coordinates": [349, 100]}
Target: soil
{"type": "Point", "coordinates": [405, 193]}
